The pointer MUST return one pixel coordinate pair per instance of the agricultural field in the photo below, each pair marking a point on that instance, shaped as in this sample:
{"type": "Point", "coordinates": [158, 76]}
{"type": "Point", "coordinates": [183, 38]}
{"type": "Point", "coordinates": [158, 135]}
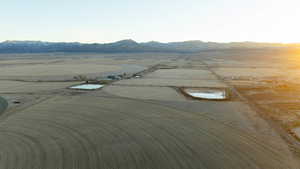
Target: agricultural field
{"type": "Point", "coordinates": [145, 92]}
{"type": "Point", "coordinates": [143, 120]}
{"type": "Point", "coordinates": [189, 74]}
{"type": "Point", "coordinates": [31, 87]}
{"type": "Point", "coordinates": [172, 82]}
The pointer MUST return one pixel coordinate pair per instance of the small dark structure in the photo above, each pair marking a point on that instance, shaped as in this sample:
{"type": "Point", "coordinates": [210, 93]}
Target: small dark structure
{"type": "Point", "coordinates": [16, 102]}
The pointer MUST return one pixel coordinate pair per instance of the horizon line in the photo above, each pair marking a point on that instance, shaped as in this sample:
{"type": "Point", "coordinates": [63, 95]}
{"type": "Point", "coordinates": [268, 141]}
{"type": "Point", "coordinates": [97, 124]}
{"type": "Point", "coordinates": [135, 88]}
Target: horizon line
{"type": "Point", "coordinates": [283, 43]}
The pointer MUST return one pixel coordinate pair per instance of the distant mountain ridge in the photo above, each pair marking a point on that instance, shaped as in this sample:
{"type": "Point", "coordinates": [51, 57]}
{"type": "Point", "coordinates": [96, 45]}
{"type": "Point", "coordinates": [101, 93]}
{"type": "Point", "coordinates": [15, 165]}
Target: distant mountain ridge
{"type": "Point", "coordinates": [128, 45]}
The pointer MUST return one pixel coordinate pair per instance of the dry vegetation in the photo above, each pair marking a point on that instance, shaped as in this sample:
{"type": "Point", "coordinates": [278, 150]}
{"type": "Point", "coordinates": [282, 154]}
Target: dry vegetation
{"type": "Point", "coordinates": [145, 123]}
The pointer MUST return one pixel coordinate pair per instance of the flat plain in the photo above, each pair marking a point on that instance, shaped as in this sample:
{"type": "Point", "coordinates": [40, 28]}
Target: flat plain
{"type": "Point", "coordinates": [146, 122]}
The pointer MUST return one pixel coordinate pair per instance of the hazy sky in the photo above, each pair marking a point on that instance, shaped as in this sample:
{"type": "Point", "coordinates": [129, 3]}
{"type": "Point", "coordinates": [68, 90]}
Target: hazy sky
{"type": "Point", "coordinates": [159, 20]}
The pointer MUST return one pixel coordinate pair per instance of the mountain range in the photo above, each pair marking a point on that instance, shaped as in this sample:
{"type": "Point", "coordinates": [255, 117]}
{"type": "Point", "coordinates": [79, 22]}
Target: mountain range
{"type": "Point", "coordinates": [129, 45]}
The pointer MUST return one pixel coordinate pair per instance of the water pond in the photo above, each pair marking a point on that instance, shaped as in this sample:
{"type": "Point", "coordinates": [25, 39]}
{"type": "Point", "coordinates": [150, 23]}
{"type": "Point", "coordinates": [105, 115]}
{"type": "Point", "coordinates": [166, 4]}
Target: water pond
{"type": "Point", "coordinates": [87, 86]}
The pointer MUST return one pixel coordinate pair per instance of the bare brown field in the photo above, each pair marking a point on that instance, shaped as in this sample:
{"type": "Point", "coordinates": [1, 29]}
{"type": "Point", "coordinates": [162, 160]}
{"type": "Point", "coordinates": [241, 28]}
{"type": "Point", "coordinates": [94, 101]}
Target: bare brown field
{"type": "Point", "coordinates": [41, 71]}
{"type": "Point", "coordinates": [145, 123]}
{"type": "Point", "coordinates": [172, 83]}
{"type": "Point", "coordinates": [190, 74]}
{"type": "Point", "coordinates": [145, 92]}
{"type": "Point", "coordinates": [31, 87]}
{"type": "Point", "coordinates": [91, 132]}
{"type": "Point", "coordinates": [249, 72]}
{"type": "Point", "coordinates": [176, 78]}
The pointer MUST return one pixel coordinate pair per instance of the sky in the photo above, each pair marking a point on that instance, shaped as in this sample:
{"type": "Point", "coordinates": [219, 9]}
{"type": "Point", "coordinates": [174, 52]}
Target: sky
{"type": "Point", "coordinates": [106, 21]}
